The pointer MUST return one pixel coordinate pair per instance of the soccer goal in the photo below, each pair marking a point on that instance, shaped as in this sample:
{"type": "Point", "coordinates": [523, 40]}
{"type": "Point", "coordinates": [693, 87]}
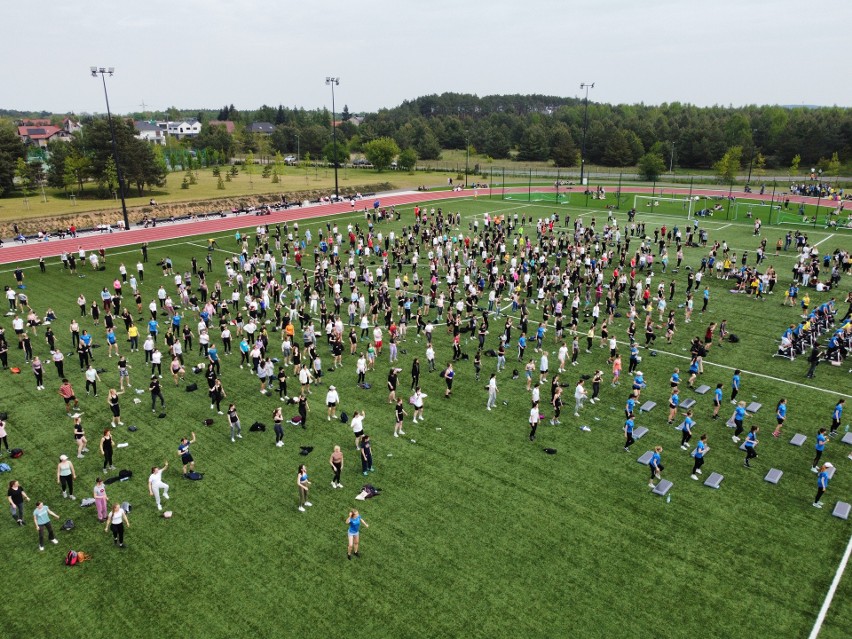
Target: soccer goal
{"type": "Point", "coordinates": [746, 209]}
{"type": "Point", "coordinates": [667, 205]}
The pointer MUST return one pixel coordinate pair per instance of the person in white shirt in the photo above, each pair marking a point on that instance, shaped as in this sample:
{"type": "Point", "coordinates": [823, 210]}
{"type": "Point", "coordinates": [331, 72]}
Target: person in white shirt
{"type": "Point", "coordinates": [332, 399]}
{"type": "Point", "coordinates": [305, 379]}
{"type": "Point", "coordinates": [361, 368]}
{"type": "Point", "coordinates": [543, 367]}
{"type": "Point", "coordinates": [535, 417]}
{"type": "Point", "coordinates": [579, 395]}
{"type": "Point", "coordinates": [492, 392]}
{"type": "Point", "coordinates": [562, 356]}
{"type": "Point", "coordinates": [430, 357]}
{"type": "Point", "coordinates": [417, 402]}
{"type": "Point", "coordinates": [358, 427]}
{"type": "Point", "coordinates": [155, 483]}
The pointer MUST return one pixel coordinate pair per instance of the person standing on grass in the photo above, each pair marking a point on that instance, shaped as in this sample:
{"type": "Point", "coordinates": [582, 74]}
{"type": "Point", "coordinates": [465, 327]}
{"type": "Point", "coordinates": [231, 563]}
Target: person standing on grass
{"type": "Point", "coordinates": [556, 402]}
{"type": "Point", "coordinates": [16, 497]}
{"type": "Point", "coordinates": [354, 522]}
{"type": "Point", "coordinates": [234, 421]}
{"type": "Point", "coordinates": [738, 417]}
{"type": "Point", "coordinates": [780, 416]}
{"type": "Point", "coordinates": [38, 372]}
{"type": "Point", "coordinates": [579, 396]}
{"type": "Point", "coordinates": [332, 399]}
{"type": "Point", "coordinates": [417, 402]}
{"type": "Point", "coordinates": [399, 410]}
{"type": "Point", "coordinates": [821, 441]}
{"type": "Point", "coordinates": [822, 483]}
{"type": "Point", "coordinates": [492, 392]}
{"type": "Point", "coordinates": [80, 437]}
{"type": "Point", "coordinates": [184, 454]}
{"type": "Point", "coordinates": [656, 465]}
{"type": "Point", "coordinates": [278, 420]}
{"type": "Point", "coordinates": [4, 441]}
{"type": "Point", "coordinates": [836, 416]}
{"type": "Point", "coordinates": [304, 409]}
{"type": "Point", "coordinates": [117, 522]}
{"type": "Point", "coordinates": [735, 386]}
{"type": "Point", "coordinates": [448, 374]}
{"type": "Point", "coordinates": [750, 444]}
{"type": "Point", "coordinates": [535, 417]}
{"type": "Point", "coordinates": [155, 483]}
{"type": "Point", "coordinates": [156, 391]}
{"type": "Point", "coordinates": [123, 373]}
{"type": "Point", "coordinates": [629, 425]}
{"type": "Point", "coordinates": [67, 393]}
{"type": "Point", "coordinates": [41, 517]}
{"type": "Point", "coordinates": [717, 400]}
{"type": "Point", "coordinates": [100, 497]}
{"type": "Point", "coordinates": [336, 461]}
{"type": "Point", "coordinates": [65, 476]}
{"type": "Point", "coordinates": [674, 402]}
{"type": "Point", "coordinates": [107, 449]}
{"type": "Point", "coordinates": [366, 455]}
{"type": "Point", "coordinates": [304, 486]}
{"type": "Point", "coordinates": [686, 430]}
{"type": "Point", "coordinates": [115, 408]}
{"type": "Point", "coordinates": [616, 370]}
{"type": "Point", "coordinates": [813, 361]}
{"type": "Point", "coordinates": [701, 449]}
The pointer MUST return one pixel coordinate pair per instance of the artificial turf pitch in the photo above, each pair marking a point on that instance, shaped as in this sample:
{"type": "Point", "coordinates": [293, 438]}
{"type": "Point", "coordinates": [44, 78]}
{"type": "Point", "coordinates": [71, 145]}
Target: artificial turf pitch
{"type": "Point", "coordinates": [477, 532]}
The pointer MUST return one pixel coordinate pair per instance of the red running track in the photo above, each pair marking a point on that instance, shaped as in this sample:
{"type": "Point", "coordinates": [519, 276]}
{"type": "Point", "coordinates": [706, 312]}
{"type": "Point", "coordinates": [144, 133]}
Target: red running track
{"type": "Point", "coordinates": [165, 231]}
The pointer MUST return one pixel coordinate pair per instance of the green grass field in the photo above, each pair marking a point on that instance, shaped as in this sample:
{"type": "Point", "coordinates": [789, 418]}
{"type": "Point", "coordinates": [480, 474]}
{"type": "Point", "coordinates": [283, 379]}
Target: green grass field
{"type": "Point", "coordinates": [477, 532]}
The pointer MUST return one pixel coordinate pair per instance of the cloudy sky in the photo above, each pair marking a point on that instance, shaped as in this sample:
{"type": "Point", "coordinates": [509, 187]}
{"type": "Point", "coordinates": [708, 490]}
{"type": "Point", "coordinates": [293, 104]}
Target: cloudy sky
{"type": "Point", "coordinates": [194, 53]}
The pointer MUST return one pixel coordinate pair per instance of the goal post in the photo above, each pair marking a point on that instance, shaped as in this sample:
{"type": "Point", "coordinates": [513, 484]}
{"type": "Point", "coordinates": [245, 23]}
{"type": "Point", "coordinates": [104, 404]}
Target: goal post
{"type": "Point", "coordinates": [747, 209]}
{"type": "Point", "coordinates": [664, 205]}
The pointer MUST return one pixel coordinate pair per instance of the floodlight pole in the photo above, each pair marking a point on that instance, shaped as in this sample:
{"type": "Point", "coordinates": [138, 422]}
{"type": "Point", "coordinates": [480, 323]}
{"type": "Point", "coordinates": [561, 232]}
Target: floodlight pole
{"type": "Point", "coordinates": [751, 157]}
{"type": "Point", "coordinates": [334, 82]}
{"type": "Point", "coordinates": [467, 156]}
{"type": "Point", "coordinates": [103, 73]}
{"type": "Point", "coordinates": [586, 86]}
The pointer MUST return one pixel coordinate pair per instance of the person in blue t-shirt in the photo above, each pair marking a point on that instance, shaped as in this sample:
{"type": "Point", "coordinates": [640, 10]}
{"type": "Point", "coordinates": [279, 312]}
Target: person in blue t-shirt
{"type": "Point", "coordinates": [630, 406]}
{"type": "Point", "coordinates": [686, 430]}
{"type": "Point", "coordinates": [821, 441]}
{"type": "Point", "coordinates": [354, 521]}
{"type": "Point", "coordinates": [153, 327]}
{"type": "Point", "coordinates": [750, 444]}
{"type": "Point", "coordinates": [717, 400]}
{"type": "Point", "coordinates": [675, 378]}
{"type": "Point", "coordinates": [674, 402]}
{"type": "Point", "coordinates": [655, 465]}
{"type": "Point", "coordinates": [735, 386]}
{"type": "Point", "coordinates": [836, 416]}
{"type": "Point", "coordinates": [629, 424]}
{"type": "Point", "coordinates": [698, 455]}
{"type": "Point", "coordinates": [522, 345]}
{"type": "Point", "coordinates": [780, 416]}
{"type": "Point", "coordinates": [738, 417]}
{"type": "Point", "coordinates": [822, 483]}
{"type": "Point", "coordinates": [213, 356]}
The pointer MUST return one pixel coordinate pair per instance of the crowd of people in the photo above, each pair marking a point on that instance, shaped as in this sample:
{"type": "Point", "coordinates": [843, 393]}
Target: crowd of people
{"type": "Point", "coordinates": [288, 302]}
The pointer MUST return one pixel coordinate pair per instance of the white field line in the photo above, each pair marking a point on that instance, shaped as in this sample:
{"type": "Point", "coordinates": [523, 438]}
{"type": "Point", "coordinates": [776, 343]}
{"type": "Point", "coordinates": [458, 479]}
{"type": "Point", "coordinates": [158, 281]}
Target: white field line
{"type": "Point", "coordinates": [832, 589]}
{"type": "Point", "coordinates": [824, 239]}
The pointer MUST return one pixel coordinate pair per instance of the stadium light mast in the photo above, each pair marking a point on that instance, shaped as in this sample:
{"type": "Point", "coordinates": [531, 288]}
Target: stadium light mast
{"type": "Point", "coordinates": [334, 82]}
{"type": "Point", "coordinates": [103, 72]}
{"type": "Point", "coordinates": [751, 157]}
{"type": "Point", "coordinates": [586, 86]}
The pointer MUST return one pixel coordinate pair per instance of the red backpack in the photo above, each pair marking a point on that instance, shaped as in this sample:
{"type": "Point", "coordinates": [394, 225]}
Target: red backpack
{"type": "Point", "coordinates": [71, 559]}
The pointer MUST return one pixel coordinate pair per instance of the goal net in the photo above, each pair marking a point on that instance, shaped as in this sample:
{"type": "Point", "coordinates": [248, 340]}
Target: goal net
{"type": "Point", "coordinates": [746, 209]}
{"type": "Point", "coordinates": [664, 205]}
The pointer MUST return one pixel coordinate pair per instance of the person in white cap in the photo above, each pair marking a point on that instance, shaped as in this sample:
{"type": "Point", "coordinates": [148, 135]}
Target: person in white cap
{"type": "Point", "coordinates": [332, 399]}
{"type": "Point", "coordinates": [822, 483]}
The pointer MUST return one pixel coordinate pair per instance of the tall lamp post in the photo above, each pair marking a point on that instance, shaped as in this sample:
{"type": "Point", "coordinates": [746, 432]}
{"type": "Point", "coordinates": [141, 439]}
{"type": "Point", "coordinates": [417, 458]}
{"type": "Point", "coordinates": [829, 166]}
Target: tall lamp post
{"type": "Point", "coordinates": [466, 157]}
{"type": "Point", "coordinates": [751, 157]}
{"type": "Point", "coordinates": [586, 86]}
{"type": "Point", "coordinates": [103, 72]}
{"type": "Point", "coordinates": [334, 82]}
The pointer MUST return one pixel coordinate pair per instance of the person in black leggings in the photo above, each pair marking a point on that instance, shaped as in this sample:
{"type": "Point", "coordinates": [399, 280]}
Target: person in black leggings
{"type": "Point", "coordinates": [106, 449]}
{"type": "Point", "coordinates": [278, 419]}
{"type": "Point", "coordinates": [116, 521]}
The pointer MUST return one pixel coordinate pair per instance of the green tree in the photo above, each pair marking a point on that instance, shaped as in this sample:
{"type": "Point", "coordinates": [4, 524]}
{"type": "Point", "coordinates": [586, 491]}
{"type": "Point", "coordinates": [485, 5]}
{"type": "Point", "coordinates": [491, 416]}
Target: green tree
{"type": "Point", "coordinates": [22, 175]}
{"type": "Point", "coordinates": [729, 165]}
{"type": "Point", "coordinates": [794, 165]}
{"type": "Point", "coordinates": [760, 165]}
{"type": "Point", "coordinates": [534, 144]}
{"type": "Point", "coordinates": [617, 151]}
{"type": "Point", "coordinates": [342, 150]}
{"type": "Point", "coordinates": [427, 147]}
{"type": "Point", "coordinates": [250, 167]}
{"type": "Point", "coordinates": [109, 176]}
{"type": "Point", "coordinates": [11, 148]}
{"type": "Point", "coordinates": [407, 159]}
{"type": "Point", "coordinates": [381, 152]}
{"type": "Point", "coordinates": [563, 151]}
{"type": "Point", "coordinates": [833, 167]}
{"type": "Point", "coordinates": [651, 166]}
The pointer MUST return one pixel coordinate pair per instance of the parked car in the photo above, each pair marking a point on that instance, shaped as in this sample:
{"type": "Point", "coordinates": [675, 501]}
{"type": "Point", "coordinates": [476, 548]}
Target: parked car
{"type": "Point", "coordinates": [290, 159]}
{"type": "Point", "coordinates": [361, 163]}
